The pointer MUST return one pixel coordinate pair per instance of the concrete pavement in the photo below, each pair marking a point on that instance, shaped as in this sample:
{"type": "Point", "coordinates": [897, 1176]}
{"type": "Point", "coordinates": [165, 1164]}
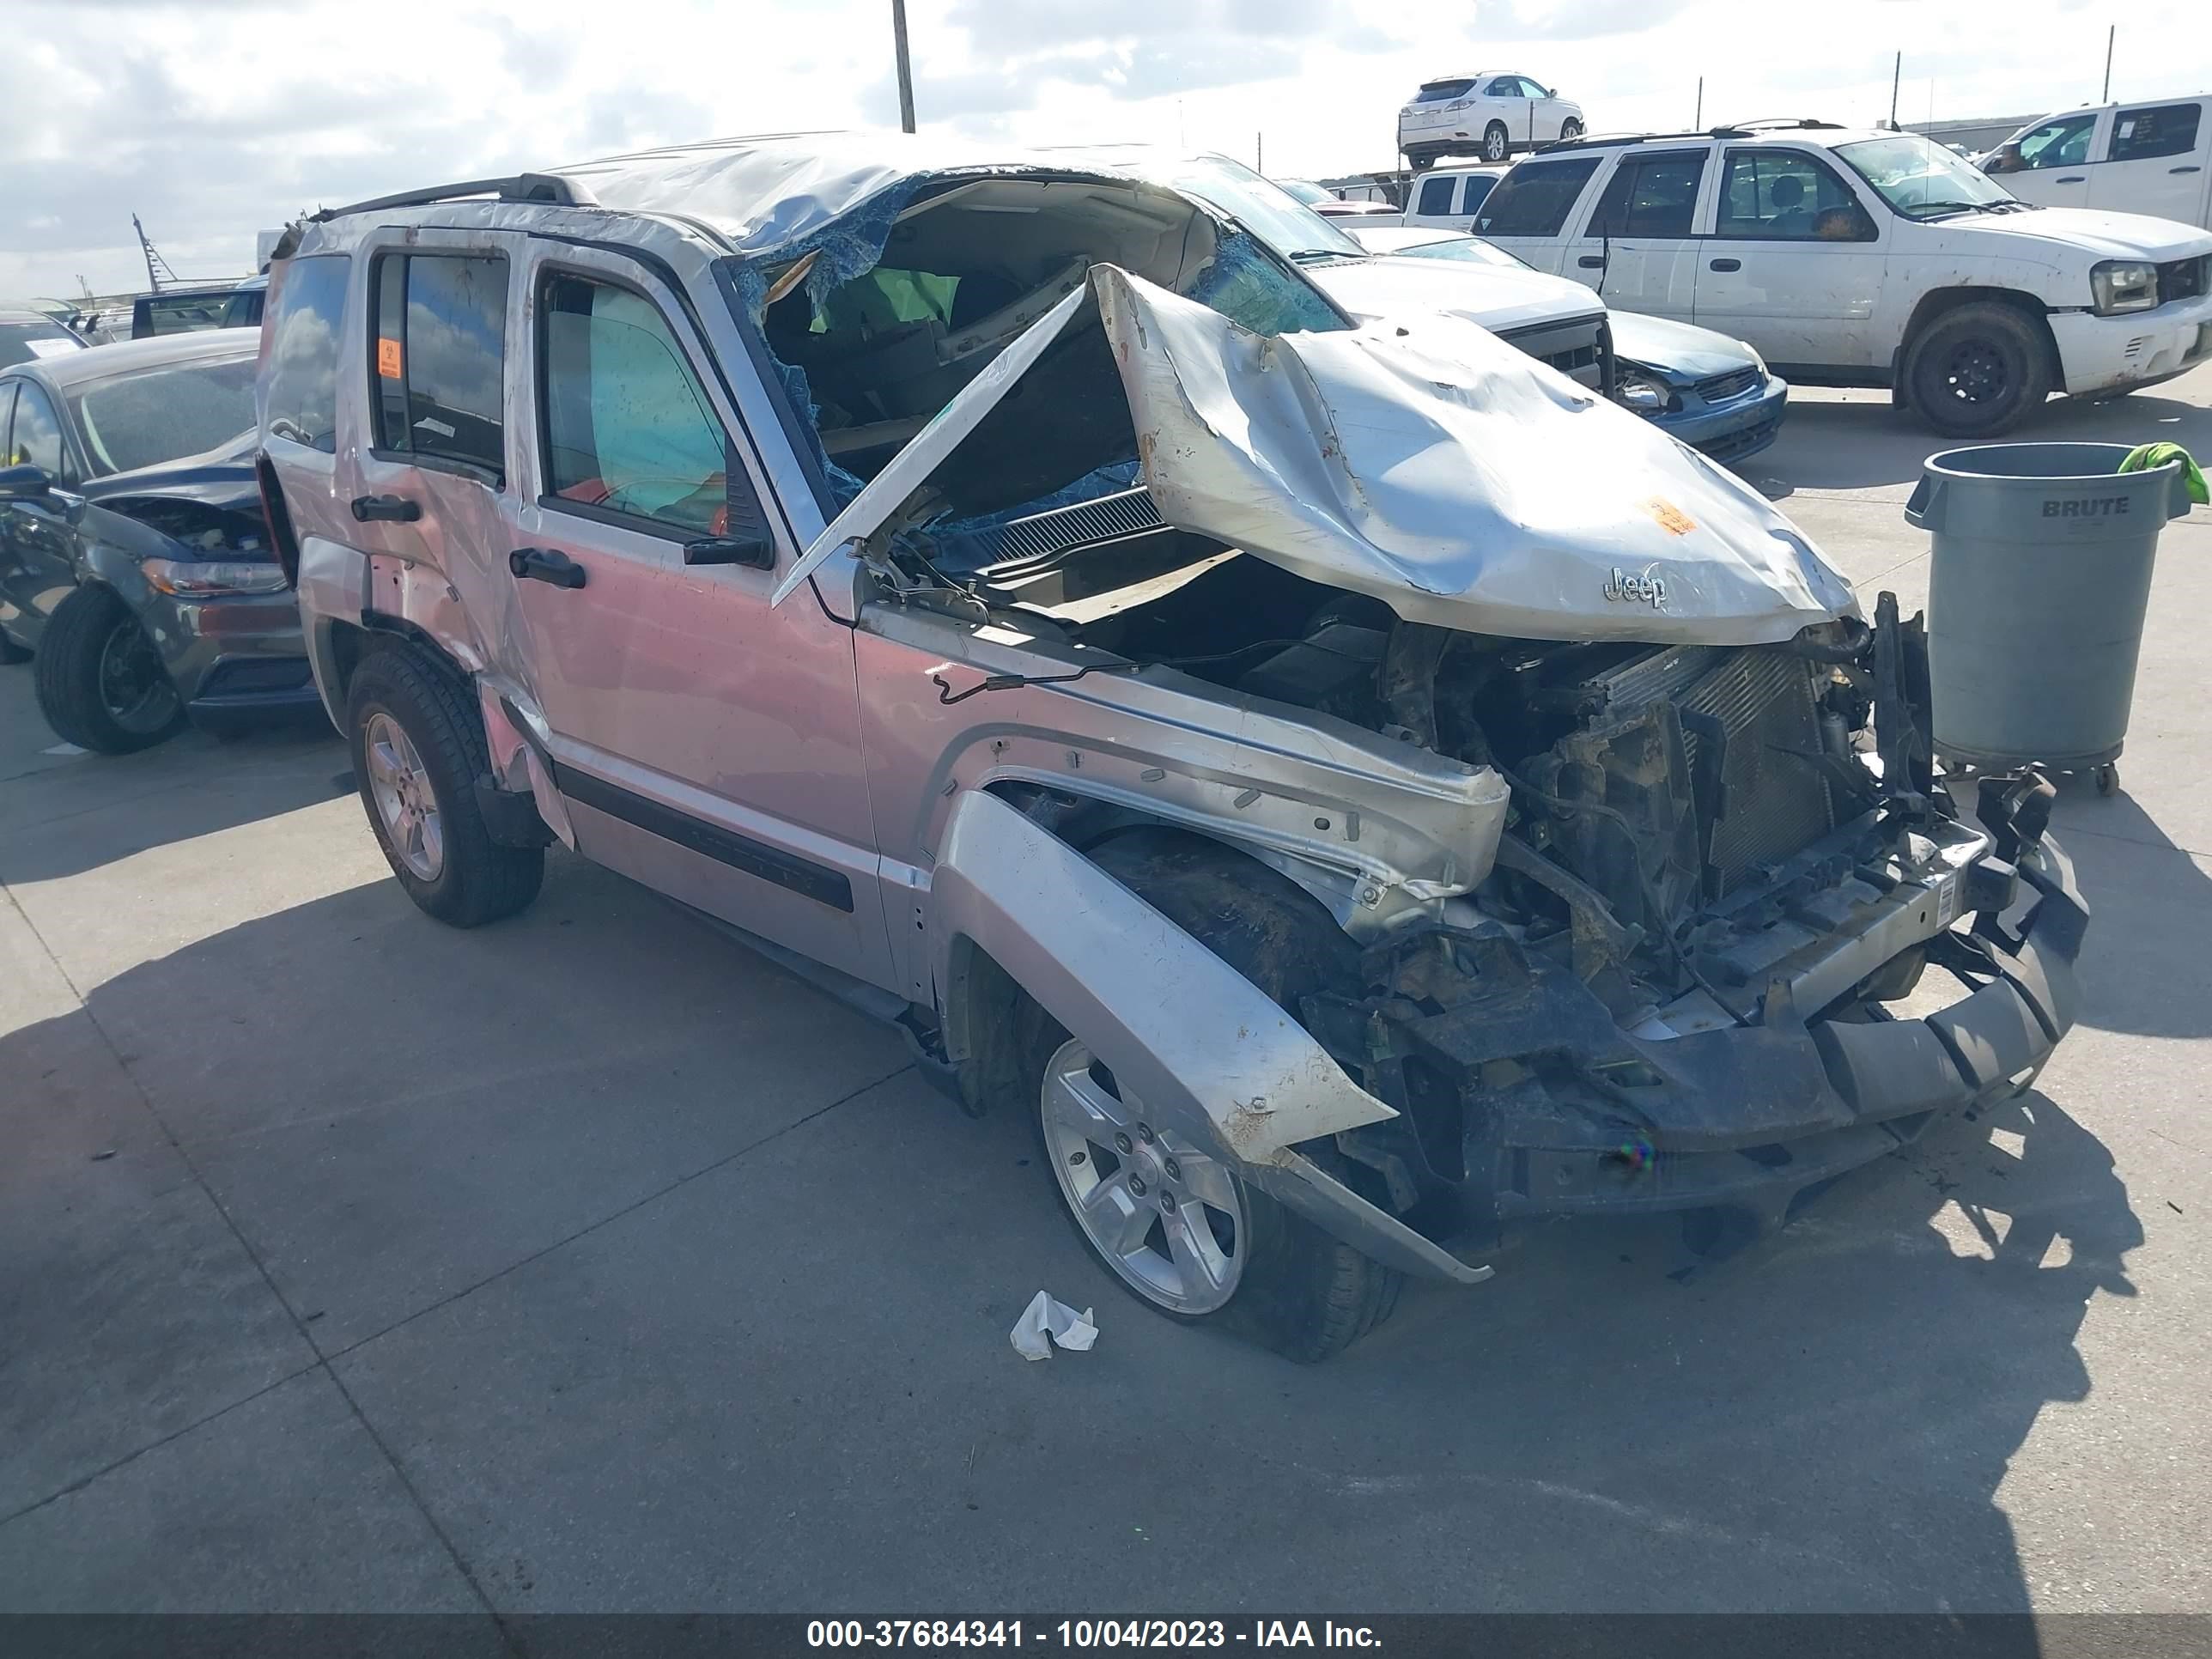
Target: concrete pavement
{"type": "Point", "coordinates": [585, 1262]}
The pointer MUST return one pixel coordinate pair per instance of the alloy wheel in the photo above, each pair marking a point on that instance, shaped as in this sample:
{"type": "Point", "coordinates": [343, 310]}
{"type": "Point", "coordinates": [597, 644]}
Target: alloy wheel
{"type": "Point", "coordinates": [1166, 1215]}
{"type": "Point", "coordinates": [406, 804]}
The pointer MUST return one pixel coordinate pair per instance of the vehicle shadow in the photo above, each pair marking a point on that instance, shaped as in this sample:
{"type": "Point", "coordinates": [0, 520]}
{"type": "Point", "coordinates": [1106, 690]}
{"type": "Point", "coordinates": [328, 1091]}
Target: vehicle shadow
{"type": "Point", "coordinates": [2150, 910]}
{"type": "Point", "coordinates": [84, 811]}
{"type": "Point", "coordinates": [1834, 444]}
{"type": "Point", "coordinates": [1820, 1422]}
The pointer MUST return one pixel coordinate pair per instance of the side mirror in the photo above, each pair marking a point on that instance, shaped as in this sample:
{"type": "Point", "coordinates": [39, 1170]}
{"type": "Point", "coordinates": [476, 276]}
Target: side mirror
{"type": "Point", "coordinates": [756, 552]}
{"type": "Point", "coordinates": [25, 483]}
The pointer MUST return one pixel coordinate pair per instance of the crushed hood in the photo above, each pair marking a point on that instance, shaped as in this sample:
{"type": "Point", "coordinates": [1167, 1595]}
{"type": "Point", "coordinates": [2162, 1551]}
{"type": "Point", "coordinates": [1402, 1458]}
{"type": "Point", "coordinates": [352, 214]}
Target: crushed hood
{"type": "Point", "coordinates": [1423, 462]}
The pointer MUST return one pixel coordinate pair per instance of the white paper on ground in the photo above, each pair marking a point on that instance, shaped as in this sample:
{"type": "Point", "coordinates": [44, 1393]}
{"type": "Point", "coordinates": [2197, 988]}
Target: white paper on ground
{"type": "Point", "coordinates": [1065, 1326]}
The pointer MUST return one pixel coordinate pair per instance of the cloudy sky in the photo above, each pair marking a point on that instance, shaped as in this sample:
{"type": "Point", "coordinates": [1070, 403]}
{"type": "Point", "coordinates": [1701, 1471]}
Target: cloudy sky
{"type": "Point", "coordinates": [216, 117]}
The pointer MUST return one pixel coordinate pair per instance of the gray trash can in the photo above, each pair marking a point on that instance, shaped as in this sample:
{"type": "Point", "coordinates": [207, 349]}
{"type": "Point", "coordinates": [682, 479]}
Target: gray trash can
{"type": "Point", "coordinates": [2037, 583]}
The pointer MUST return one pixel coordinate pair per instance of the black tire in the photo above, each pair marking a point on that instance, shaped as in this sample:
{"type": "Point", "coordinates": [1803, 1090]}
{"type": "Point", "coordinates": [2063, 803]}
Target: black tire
{"type": "Point", "coordinates": [477, 880]}
{"type": "Point", "coordinates": [1497, 142]}
{"type": "Point", "coordinates": [1979, 370]}
{"type": "Point", "coordinates": [99, 681]}
{"type": "Point", "coordinates": [11, 653]}
{"type": "Point", "coordinates": [1422, 158]}
{"type": "Point", "coordinates": [1569, 129]}
{"type": "Point", "coordinates": [1303, 1292]}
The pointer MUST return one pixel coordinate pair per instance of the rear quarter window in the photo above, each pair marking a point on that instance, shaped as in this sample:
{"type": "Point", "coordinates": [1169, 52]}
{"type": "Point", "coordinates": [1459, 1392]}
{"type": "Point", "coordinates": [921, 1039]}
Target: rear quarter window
{"type": "Point", "coordinates": [439, 358]}
{"type": "Point", "coordinates": [1535, 198]}
{"type": "Point", "coordinates": [299, 382]}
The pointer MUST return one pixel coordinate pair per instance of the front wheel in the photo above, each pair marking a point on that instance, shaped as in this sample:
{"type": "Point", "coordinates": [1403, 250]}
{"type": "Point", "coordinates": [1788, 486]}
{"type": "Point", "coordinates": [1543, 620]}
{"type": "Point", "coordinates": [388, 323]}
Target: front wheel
{"type": "Point", "coordinates": [417, 751]}
{"type": "Point", "coordinates": [1173, 1221]}
{"type": "Point", "coordinates": [1979, 370]}
{"type": "Point", "coordinates": [1569, 129]}
{"type": "Point", "coordinates": [100, 682]}
{"type": "Point", "coordinates": [1495, 141]}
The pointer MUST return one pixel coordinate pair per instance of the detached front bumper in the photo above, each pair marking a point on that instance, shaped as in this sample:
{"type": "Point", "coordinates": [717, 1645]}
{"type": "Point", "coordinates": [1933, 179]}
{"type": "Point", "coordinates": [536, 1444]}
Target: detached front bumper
{"type": "Point", "coordinates": [1563, 1113]}
{"type": "Point", "coordinates": [2139, 349]}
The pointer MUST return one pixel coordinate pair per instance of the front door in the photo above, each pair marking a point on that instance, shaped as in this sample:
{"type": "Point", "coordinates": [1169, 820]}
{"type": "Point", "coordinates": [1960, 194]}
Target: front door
{"type": "Point", "coordinates": [2154, 162]}
{"type": "Point", "coordinates": [704, 744]}
{"type": "Point", "coordinates": [1635, 246]}
{"type": "Point", "coordinates": [2050, 165]}
{"type": "Point", "coordinates": [38, 539]}
{"type": "Point", "coordinates": [1794, 262]}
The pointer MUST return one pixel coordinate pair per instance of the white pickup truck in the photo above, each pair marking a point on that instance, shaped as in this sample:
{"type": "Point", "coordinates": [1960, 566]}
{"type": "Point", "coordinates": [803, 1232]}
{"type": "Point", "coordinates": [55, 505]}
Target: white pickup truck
{"type": "Point", "coordinates": [1867, 258]}
{"type": "Point", "coordinates": [2126, 158]}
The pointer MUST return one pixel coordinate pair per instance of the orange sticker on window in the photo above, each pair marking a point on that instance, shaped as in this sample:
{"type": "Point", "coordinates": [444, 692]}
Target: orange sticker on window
{"type": "Point", "coordinates": [387, 359]}
{"type": "Point", "coordinates": [1671, 518]}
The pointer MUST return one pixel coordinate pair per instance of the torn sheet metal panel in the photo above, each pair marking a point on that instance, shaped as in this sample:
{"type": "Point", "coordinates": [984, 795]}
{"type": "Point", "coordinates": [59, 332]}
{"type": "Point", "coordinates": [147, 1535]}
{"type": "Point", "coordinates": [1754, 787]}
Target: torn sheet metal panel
{"type": "Point", "coordinates": [1181, 1030]}
{"type": "Point", "coordinates": [1429, 464]}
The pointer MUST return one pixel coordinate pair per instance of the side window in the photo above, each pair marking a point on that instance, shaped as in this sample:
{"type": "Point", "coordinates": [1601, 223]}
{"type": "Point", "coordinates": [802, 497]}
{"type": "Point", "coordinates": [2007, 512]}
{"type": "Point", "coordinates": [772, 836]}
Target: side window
{"type": "Point", "coordinates": [1788, 195]}
{"type": "Point", "coordinates": [1531, 90]}
{"type": "Point", "coordinates": [2061, 143]}
{"type": "Point", "coordinates": [1437, 195]}
{"type": "Point", "coordinates": [1479, 186]}
{"type": "Point", "coordinates": [7, 408]}
{"type": "Point", "coordinates": [627, 428]}
{"type": "Point", "coordinates": [1504, 86]}
{"type": "Point", "coordinates": [1611, 213]}
{"type": "Point", "coordinates": [438, 353]}
{"type": "Point", "coordinates": [2139, 134]}
{"type": "Point", "coordinates": [35, 437]}
{"type": "Point", "coordinates": [300, 397]}
{"type": "Point", "coordinates": [1535, 198]}
{"type": "Point", "coordinates": [1665, 194]}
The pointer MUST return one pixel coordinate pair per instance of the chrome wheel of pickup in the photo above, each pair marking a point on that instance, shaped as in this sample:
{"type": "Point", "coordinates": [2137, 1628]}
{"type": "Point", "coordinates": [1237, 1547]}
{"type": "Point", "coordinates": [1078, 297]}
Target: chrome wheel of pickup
{"type": "Point", "coordinates": [405, 802]}
{"type": "Point", "coordinates": [1168, 1217]}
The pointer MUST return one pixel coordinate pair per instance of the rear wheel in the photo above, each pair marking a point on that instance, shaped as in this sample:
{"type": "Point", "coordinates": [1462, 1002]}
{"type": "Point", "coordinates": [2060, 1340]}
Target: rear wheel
{"type": "Point", "coordinates": [1978, 370]}
{"type": "Point", "coordinates": [1495, 141]}
{"type": "Point", "coordinates": [1175, 1223]}
{"type": "Point", "coordinates": [417, 751]}
{"type": "Point", "coordinates": [100, 682]}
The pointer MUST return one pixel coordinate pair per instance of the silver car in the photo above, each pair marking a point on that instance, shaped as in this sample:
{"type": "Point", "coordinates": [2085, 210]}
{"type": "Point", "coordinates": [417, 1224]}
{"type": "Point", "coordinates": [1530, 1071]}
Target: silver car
{"type": "Point", "coordinates": [1351, 787]}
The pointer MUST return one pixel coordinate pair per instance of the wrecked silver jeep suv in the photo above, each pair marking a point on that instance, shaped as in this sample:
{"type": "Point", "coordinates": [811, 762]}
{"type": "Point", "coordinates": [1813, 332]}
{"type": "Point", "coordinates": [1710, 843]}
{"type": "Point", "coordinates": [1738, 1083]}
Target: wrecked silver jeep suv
{"type": "Point", "coordinates": [1352, 787]}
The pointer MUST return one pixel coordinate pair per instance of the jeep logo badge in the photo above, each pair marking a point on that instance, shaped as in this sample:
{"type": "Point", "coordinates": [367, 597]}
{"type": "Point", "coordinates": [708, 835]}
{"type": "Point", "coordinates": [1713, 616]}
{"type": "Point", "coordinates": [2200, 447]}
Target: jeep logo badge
{"type": "Point", "coordinates": [1626, 587]}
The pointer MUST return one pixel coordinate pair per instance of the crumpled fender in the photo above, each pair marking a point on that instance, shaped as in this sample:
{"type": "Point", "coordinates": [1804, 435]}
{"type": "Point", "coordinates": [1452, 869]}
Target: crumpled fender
{"type": "Point", "coordinates": [1180, 1028]}
{"type": "Point", "coordinates": [1198, 1043]}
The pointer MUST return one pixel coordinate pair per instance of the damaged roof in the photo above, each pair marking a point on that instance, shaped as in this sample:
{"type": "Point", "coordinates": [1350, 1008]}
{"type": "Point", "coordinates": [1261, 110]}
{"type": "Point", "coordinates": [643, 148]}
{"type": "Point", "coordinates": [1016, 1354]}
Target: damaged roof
{"type": "Point", "coordinates": [765, 192]}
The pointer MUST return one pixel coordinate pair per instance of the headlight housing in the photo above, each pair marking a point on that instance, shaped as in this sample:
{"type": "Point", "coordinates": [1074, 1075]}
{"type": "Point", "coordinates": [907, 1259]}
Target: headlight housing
{"type": "Point", "coordinates": [1644, 393]}
{"type": "Point", "coordinates": [207, 579]}
{"type": "Point", "coordinates": [2122, 285]}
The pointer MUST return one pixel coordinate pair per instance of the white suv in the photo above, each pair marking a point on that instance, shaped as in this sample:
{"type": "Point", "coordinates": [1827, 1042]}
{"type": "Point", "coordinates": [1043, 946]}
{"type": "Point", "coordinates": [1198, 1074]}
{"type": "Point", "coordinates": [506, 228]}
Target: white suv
{"type": "Point", "coordinates": [1489, 114]}
{"type": "Point", "coordinates": [1865, 258]}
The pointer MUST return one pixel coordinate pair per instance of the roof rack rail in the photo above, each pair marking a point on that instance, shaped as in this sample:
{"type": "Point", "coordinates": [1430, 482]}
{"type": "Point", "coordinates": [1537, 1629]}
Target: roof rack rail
{"type": "Point", "coordinates": [521, 188]}
{"type": "Point", "coordinates": [1602, 140]}
{"type": "Point", "coordinates": [1767, 124]}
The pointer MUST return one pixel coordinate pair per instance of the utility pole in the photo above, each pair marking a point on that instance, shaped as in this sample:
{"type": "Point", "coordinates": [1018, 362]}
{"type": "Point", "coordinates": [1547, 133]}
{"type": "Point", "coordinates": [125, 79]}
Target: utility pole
{"type": "Point", "coordinates": [1698, 121]}
{"type": "Point", "coordinates": [2111, 34]}
{"type": "Point", "coordinates": [1260, 153]}
{"type": "Point", "coordinates": [905, 68]}
{"type": "Point", "coordinates": [1895, 75]}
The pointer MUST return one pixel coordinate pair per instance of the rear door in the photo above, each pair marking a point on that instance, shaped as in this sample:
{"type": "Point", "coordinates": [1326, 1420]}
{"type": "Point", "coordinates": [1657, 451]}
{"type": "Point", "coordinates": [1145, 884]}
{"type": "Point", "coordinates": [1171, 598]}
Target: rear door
{"type": "Point", "coordinates": [1636, 245]}
{"type": "Point", "coordinates": [2050, 166]}
{"type": "Point", "coordinates": [1530, 209]}
{"type": "Point", "coordinates": [1793, 260]}
{"type": "Point", "coordinates": [2153, 161]}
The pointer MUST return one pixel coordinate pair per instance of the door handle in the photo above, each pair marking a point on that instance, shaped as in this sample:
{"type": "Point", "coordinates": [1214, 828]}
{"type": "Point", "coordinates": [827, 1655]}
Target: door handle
{"type": "Point", "coordinates": [543, 564]}
{"type": "Point", "coordinates": [1724, 265]}
{"type": "Point", "coordinates": [2074, 178]}
{"type": "Point", "coordinates": [1592, 262]}
{"type": "Point", "coordinates": [386, 509]}
{"type": "Point", "coordinates": [2192, 167]}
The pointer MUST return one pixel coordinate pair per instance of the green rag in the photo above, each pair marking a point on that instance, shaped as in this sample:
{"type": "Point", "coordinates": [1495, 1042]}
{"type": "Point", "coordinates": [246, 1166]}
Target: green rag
{"type": "Point", "coordinates": [2145, 457]}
